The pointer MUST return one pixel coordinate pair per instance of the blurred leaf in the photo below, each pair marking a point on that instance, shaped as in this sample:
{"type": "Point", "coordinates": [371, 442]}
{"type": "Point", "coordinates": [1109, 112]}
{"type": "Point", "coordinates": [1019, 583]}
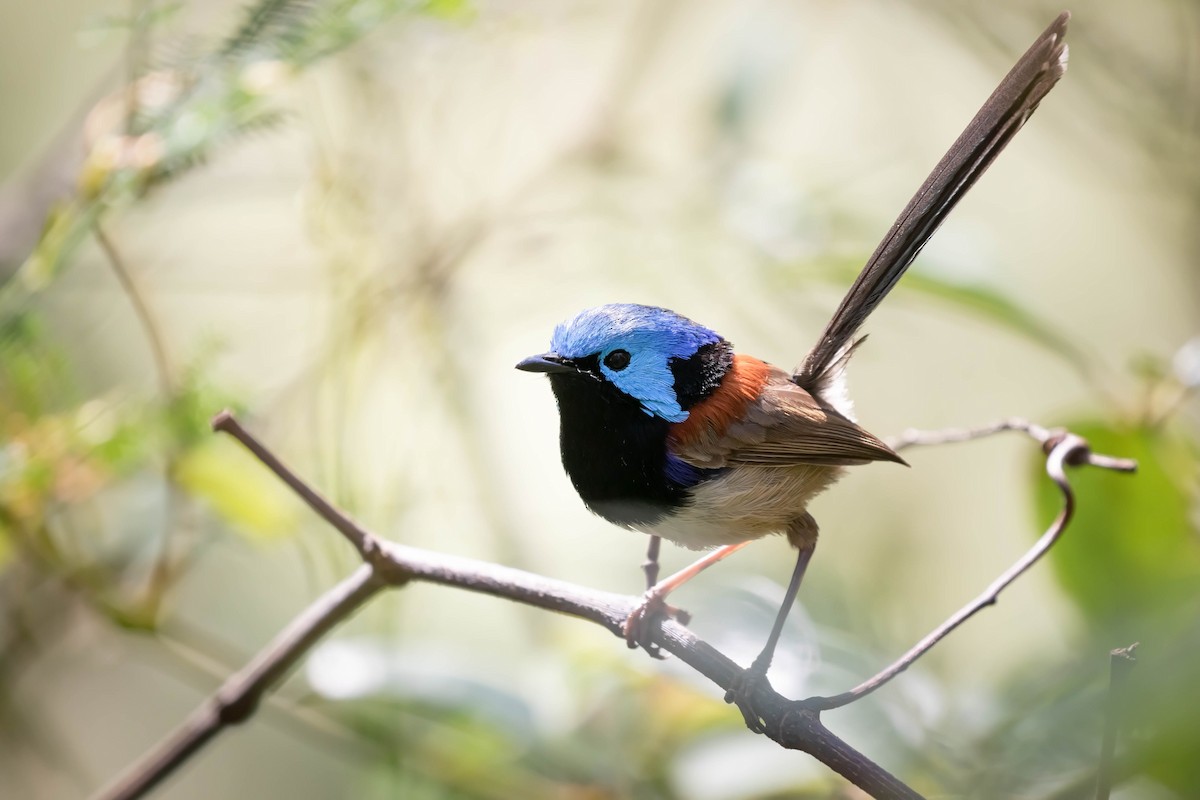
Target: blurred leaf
{"type": "Point", "coordinates": [195, 400]}
{"type": "Point", "coordinates": [6, 543]}
{"type": "Point", "coordinates": [1163, 696]}
{"type": "Point", "coordinates": [302, 31]}
{"type": "Point", "coordinates": [33, 373]}
{"type": "Point", "coordinates": [348, 669]}
{"type": "Point", "coordinates": [238, 488]}
{"type": "Point", "coordinates": [991, 304]}
{"type": "Point", "coordinates": [979, 300]}
{"type": "Point", "coordinates": [447, 9]}
{"type": "Point", "coordinates": [1149, 367]}
{"type": "Point", "coordinates": [1131, 557]}
{"type": "Point", "coordinates": [1040, 730]}
{"type": "Point", "coordinates": [66, 226]}
{"type": "Point", "coordinates": [124, 447]}
{"type": "Point", "coordinates": [267, 19]}
{"type": "Point", "coordinates": [145, 15]}
{"type": "Point", "coordinates": [190, 109]}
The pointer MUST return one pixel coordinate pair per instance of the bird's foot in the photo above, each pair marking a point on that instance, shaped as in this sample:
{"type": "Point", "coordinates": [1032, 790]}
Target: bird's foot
{"type": "Point", "coordinates": [741, 693]}
{"type": "Point", "coordinates": [645, 617]}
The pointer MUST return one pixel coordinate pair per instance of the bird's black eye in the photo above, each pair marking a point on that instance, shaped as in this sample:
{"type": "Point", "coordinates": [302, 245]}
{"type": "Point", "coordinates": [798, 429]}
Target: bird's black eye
{"type": "Point", "coordinates": [617, 360]}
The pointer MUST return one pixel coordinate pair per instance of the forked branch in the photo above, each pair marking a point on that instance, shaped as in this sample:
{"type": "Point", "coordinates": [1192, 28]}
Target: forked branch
{"type": "Point", "coordinates": [792, 724]}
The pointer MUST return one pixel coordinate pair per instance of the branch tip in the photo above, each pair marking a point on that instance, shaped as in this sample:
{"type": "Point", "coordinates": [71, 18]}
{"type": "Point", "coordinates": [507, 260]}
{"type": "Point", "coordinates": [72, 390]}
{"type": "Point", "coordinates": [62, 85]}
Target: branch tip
{"type": "Point", "coordinates": [1120, 664]}
{"type": "Point", "coordinates": [1125, 653]}
{"type": "Point", "coordinates": [224, 421]}
{"type": "Point", "coordinates": [1116, 465]}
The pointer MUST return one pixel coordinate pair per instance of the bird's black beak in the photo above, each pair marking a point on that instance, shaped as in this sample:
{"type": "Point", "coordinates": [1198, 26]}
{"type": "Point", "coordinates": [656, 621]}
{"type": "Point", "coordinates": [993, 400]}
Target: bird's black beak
{"type": "Point", "coordinates": [547, 362]}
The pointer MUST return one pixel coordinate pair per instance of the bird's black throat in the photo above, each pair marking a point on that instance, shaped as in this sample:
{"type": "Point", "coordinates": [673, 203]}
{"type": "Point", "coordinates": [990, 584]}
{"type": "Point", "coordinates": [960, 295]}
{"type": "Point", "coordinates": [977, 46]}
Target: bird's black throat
{"type": "Point", "coordinates": [615, 453]}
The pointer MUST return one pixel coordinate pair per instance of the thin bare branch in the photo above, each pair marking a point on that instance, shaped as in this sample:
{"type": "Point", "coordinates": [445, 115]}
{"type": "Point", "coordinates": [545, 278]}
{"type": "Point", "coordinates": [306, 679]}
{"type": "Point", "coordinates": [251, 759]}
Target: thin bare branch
{"type": "Point", "coordinates": [164, 565]}
{"type": "Point", "coordinates": [918, 438]}
{"type": "Point", "coordinates": [363, 540]}
{"type": "Point", "coordinates": [136, 56]}
{"type": "Point", "coordinates": [145, 314]}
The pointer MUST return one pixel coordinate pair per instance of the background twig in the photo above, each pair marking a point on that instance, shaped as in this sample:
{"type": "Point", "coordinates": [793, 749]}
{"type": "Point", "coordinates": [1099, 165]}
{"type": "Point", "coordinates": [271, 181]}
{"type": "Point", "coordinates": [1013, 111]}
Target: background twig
{"type": "Point", "coordinates": [141, 308]}
{"type": "Point", "coordinates": [1121, 662]}
{"type": "Point", "coordinates": [238, 697]}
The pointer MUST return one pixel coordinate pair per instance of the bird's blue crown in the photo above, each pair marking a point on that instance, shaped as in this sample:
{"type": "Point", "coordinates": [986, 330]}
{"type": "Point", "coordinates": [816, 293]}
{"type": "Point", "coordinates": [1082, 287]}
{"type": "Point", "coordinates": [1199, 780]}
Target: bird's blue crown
{"type": "Point", "coordinates": [652, 336]}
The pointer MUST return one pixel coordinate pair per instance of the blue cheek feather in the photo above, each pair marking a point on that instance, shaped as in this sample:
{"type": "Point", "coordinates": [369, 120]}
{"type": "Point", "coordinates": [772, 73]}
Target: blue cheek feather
{"type": "Point", "coordinates": [648, 378]}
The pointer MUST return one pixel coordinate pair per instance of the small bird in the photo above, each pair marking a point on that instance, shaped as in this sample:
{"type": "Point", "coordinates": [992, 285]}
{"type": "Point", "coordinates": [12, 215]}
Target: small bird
{"type": "Point", "coordinates": [666, 430]}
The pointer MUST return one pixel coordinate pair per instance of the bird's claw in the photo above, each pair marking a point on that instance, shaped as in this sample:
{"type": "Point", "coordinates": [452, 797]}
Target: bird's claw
{"type": "Point", "coordinates": [645, 617]}
{"type": "Point", "coordinates": [741, 693]}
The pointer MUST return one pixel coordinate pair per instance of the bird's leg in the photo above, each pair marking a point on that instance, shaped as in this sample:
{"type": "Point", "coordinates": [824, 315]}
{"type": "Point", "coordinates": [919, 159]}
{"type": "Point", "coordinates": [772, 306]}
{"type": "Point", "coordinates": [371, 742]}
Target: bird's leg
{"type": "Point", "coordinates": [654, 605]}
{"type": "Point", "coordinates": [741, 692]}
{"type": "Point", "coordinates": [650, 565]}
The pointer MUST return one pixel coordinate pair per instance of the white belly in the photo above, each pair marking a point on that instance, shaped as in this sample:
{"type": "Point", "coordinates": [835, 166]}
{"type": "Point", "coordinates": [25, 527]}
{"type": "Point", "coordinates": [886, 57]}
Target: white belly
{"type": "Point", "coordinates": [745, 503]}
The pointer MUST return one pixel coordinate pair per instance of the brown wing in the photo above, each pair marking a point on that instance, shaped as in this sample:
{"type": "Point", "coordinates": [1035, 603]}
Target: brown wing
{"type": "Point", "coordinates": [782, 426]}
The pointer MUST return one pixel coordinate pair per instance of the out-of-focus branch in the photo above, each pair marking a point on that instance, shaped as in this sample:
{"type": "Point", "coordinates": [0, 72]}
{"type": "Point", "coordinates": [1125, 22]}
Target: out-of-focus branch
{"type": "Point", "coordinates": [142, 309]}
{"type": "Point", "coordinates": [27, 200]}
{"type": "Point", "coordinates": [918, 438]}
{"type": "Point", "coordinates": [239, 697]}
{"type": "Point", "coordinates": [792, 724]}
{"type": "Point", "coordinates": [165, 566]}
{"type": "Point", "coordinates": [1121, 663]}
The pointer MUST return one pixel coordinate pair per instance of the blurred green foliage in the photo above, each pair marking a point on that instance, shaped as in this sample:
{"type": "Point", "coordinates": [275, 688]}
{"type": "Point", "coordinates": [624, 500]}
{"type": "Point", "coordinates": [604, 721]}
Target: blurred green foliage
{"type": "Point", "coordinates": [61, 448]}
{"type": "Point", "coordinates": [1131, 562]}
{"type": "Point", "coordinates": [174, 115]}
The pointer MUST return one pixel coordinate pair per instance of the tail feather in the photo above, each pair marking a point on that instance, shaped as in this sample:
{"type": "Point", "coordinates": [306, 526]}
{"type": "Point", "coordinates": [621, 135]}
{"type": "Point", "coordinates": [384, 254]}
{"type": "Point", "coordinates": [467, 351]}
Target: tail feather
{"type": "Point", "coordinates": [1009, 106]}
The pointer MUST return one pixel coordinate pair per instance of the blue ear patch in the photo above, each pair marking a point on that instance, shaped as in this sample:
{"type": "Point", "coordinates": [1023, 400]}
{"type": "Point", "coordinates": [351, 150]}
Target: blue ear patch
{"type": "Point", "coordinates": [652, 336]}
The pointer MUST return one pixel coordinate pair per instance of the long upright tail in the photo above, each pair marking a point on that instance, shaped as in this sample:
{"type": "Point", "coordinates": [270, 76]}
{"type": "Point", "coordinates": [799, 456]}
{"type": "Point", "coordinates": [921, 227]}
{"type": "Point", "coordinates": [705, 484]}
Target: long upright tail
{"type": "Point", "coordinates": [1013, 102]}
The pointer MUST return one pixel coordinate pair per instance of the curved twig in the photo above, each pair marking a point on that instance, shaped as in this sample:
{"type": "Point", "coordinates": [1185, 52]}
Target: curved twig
{"type": "Point", "coordinates": [1062, 449]}
{"type": "Point", "coordinates": [141, 308]}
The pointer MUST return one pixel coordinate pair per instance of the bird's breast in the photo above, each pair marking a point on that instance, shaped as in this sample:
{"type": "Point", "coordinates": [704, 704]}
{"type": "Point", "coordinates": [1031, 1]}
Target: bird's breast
{"type": "Point", "coordinates": [741, 504]}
